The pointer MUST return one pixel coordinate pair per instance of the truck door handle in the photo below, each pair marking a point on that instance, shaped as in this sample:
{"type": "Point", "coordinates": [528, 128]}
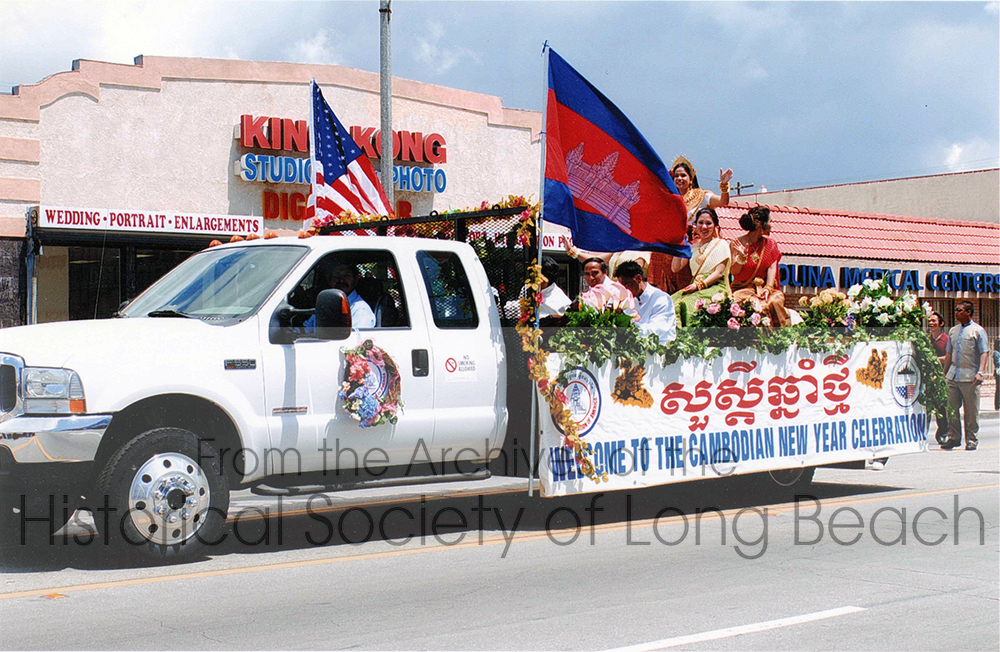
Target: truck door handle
{"type": "Point", "coordinates": [421, 366]}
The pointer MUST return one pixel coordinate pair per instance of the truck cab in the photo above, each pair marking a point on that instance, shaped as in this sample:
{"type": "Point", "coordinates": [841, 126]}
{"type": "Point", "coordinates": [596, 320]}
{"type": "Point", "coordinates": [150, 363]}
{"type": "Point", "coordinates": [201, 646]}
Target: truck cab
{"type": "Point", "coordinates": [222, 375]}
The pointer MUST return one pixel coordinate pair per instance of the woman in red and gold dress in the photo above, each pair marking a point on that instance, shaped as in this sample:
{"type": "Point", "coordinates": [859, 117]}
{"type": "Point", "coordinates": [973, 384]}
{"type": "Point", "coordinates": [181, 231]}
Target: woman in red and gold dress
{"type": "Point", "coordinates": [755, 265]}
{"type": "Point", "coordinates": [695, 198]}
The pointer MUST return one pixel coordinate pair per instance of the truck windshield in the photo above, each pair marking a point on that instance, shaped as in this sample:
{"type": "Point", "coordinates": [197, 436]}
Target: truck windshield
{"type": "Point", "coordinates": [226, 283]}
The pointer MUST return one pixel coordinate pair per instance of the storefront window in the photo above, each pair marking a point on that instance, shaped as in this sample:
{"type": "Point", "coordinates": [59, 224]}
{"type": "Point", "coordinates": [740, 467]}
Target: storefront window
{"type": "Point", "coordinates": [94, 282]}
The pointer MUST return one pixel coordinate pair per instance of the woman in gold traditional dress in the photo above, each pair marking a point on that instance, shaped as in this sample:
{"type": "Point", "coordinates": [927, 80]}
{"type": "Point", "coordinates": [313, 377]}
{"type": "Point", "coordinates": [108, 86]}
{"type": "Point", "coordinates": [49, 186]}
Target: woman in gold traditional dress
{"type": "Point", "coordinates": [709, 264]}
{"type": "Point", "coordinates": [686, 179]}
{"type": "Point", "coordinates": [755, 265]}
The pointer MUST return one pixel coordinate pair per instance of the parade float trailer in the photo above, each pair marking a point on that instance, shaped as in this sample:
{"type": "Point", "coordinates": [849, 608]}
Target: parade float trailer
{"type": "Point", "coordinates": [240, 369]}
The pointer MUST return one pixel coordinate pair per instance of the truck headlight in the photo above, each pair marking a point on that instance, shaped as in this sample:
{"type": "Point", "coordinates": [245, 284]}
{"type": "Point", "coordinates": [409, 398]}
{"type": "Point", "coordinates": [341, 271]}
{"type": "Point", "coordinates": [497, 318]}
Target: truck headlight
{"type": "Point", "coordinates": [52, 391]}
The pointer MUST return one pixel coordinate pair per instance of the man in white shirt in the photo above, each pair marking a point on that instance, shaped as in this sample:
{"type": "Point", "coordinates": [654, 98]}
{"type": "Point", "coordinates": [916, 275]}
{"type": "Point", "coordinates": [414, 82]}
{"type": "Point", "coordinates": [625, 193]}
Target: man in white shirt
{"type": "Point", "coordinates": [655, 307]}
{"type": "Point", "coordinates": [554, 301]}
{"type": "Point", "coordinates": [344, 277]}
{"type": "Point", "coordinates": [595, 272]}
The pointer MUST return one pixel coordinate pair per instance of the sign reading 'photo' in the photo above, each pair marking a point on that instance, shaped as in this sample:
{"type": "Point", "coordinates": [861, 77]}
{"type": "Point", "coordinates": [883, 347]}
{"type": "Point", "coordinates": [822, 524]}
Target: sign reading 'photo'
{"type": "Point", "coordinates": [743, 412]}
{"type": "Point", "coordinates": [103, 219]}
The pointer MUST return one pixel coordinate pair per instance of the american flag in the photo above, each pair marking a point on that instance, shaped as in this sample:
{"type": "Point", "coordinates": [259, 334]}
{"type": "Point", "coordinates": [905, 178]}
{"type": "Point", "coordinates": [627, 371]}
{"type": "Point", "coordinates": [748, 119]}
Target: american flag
{"type": "Point", "coordinates": [906, 392]}
{"type": "Point", "coordinates": [343, 177]}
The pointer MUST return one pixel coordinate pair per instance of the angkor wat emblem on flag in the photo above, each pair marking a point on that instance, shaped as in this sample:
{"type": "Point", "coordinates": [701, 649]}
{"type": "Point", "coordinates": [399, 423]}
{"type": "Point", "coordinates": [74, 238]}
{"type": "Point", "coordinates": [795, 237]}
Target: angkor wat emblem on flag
{"type": "Point", "coordinates": [595, 184]}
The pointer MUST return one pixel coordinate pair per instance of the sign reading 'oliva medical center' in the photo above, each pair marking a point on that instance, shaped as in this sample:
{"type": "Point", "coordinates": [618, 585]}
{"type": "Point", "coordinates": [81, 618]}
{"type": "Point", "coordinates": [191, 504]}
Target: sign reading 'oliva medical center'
{"type": "Point", "coordinates": [284, 134]}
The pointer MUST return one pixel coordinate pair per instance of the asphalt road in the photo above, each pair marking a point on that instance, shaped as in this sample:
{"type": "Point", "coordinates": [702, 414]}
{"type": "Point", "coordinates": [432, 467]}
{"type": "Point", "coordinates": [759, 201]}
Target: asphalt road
{"type": "Point", "coordinates": [921, 574]}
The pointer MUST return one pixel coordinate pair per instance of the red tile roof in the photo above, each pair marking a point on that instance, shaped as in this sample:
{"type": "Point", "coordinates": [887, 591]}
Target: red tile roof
{"type": "Point", "coordinates": [807, 232]}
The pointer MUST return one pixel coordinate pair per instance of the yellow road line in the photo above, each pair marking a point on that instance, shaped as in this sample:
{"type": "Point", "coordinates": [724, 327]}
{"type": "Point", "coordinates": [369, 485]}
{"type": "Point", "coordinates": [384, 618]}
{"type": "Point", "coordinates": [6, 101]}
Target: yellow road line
{"type": "Point", "coordinates": [486, 541]}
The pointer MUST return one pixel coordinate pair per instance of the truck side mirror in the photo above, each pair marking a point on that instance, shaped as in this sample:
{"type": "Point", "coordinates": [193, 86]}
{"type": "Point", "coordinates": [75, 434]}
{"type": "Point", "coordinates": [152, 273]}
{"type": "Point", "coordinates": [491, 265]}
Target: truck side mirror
{"type": "Point", "coordinates": [333, 315]}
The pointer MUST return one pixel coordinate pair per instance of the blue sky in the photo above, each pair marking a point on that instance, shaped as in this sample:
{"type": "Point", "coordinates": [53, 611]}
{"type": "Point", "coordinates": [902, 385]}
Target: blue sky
{"type": "Point", "coordinates": [789, 95]}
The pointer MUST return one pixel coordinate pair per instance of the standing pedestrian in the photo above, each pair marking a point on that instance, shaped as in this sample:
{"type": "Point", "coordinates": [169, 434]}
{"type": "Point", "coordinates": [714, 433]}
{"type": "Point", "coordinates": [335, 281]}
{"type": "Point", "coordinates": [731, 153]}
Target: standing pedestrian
{"type": "Point", "coordinates": [996, 374]}
{"type": "Point", "coordinates": [965, 368]}
{"type": "Point", "coordinates": [939, 339]}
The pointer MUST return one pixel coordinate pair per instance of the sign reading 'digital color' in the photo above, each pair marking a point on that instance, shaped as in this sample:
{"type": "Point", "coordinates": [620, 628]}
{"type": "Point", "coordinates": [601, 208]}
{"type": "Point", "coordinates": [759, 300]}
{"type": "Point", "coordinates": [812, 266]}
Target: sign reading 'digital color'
{"type": "Point", "coordinates": [744, 412]}
{"type": "Point", "coordinates": [169, 222]}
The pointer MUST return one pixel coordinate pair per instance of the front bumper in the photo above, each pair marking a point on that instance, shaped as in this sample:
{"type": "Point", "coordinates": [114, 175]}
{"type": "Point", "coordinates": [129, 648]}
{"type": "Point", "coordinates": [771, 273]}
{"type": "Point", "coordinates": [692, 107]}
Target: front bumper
{"type": "Point", "coordinates": [41, 440]}
{"type": "Point", "coordinates": [46, 461]}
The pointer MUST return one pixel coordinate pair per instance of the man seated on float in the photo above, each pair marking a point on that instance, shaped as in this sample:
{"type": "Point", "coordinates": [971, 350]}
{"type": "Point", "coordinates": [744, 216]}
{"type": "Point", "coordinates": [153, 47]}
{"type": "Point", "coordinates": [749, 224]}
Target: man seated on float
{"type": "Point", "coordinates": [595, 272]}
{"type": "Point", "coordinates": [554, 301]}
{"type": "Point", "coordinates": [655, 307]}
{"type": "Point", "coordinates": [343, 276]}
{"type": "Point", "coordinates": [608, 260]}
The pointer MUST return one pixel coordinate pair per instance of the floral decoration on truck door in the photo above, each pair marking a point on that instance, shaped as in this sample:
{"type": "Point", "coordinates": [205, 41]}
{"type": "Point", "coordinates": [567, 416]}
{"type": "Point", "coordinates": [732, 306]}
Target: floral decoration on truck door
{"type": "Point", "coordinates": [370, 390]}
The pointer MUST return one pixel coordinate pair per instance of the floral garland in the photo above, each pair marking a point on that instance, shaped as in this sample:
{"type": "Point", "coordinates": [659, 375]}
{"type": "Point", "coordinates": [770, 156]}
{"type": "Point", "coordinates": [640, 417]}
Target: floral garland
{"type": "Point", "coordinates": [553, 392]}
{"type": "Point", "coordinates": [370, 390]}
{"type": "Point", "coordinates": [525, 225]}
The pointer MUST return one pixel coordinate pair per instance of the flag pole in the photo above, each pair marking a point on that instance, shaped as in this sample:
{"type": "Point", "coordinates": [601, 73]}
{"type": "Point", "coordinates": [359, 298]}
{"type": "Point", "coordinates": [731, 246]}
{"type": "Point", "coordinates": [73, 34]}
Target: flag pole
{"type": "Point", "coordinates": [312, 153]}
{"type": "Point", "coordinates": [535, 421]}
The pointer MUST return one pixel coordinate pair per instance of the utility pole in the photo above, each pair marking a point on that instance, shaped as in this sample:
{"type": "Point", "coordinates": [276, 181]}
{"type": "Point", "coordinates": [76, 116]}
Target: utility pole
{"type": "Point", "coordinates": [741, 186]}
{"type": "Point", "coordinates": [385, 96]}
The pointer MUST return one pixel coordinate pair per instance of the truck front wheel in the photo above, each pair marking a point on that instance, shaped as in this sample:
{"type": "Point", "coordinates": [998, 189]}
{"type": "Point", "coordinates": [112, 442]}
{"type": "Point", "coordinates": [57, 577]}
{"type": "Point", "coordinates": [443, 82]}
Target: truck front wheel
{"type": "Point", "coordinates": [168, 495]}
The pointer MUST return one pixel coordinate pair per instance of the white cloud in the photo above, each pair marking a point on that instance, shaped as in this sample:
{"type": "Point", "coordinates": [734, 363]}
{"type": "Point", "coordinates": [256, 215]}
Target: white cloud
{"type": "Point", "coordinates": [973, 154]}
{"type": "Point", "coordinates": [746, 19]}
{"type": "Point", "coordinates": [992, 8]}
{"type": "Point", "coordinates": [434, 56]}
{"type": "Point", "coordinates": [318, 49]}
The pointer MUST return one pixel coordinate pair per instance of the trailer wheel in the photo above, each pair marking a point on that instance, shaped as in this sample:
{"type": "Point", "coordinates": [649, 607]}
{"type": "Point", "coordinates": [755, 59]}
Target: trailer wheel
{"type": "Point", "coordinates": [167, 494]}
{"type": "Point", "coordinates": [794, 478]}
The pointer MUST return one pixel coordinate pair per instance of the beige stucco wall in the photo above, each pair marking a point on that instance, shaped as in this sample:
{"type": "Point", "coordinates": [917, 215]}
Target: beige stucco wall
{"type": "Point", "coordinates": [959, 196]}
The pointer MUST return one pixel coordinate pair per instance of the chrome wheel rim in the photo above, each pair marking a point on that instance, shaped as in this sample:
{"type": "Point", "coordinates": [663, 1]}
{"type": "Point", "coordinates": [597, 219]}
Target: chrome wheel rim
{"type": "Point", "coordinates": [169, 498]}
{"type": "Point", "coordinates": [787, 477]}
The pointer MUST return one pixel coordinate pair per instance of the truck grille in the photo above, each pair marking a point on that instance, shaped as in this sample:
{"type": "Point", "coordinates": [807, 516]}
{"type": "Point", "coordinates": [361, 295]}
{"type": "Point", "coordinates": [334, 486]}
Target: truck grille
{"type": "Point", "coordinates": [8, 388]}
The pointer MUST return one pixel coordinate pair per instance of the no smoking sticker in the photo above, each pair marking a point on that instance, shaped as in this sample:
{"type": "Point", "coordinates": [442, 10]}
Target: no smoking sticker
{"type": "Point", "coordinates": [460, 369]}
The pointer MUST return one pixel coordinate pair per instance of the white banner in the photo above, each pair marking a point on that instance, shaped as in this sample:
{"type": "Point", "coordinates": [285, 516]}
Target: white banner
{"type": "Point", "coordinates": [744, 412]}
{"type": "Point", "coordinates": [104, 219]}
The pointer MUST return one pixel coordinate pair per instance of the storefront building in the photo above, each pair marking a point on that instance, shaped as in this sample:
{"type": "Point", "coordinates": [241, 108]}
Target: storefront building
{"type": "Point", "coordinates": [112, 174]}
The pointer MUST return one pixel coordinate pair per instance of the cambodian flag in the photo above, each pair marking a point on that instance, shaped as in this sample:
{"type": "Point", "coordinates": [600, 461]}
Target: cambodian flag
{"type": "Point", "coordinates": [343, 178]}
{"type": "Point", "coordinates": [603, 181]}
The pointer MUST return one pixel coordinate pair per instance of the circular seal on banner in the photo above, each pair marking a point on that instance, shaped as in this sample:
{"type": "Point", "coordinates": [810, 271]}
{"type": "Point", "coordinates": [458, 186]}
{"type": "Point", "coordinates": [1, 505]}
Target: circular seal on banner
{"type": "Point", "coordinates": [905, 383]}
{"type": "Point", "coordinates": [584, 400]}
{"type": "Point", "coordinates": [377, 380]}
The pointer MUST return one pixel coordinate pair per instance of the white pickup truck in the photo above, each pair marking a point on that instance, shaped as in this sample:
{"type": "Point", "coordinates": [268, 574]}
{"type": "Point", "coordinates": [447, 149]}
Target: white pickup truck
{"type": "Point", "coordinates": [230, 372]}
{"type": "Point", "coordinates": [217, 378]}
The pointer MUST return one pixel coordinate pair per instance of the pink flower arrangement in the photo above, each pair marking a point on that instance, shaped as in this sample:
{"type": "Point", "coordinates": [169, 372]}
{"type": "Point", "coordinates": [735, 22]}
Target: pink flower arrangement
{"type": "Point", "coordinates": [359, 369]}
{"type": "Point", "coordinates": [614, 296]}
{"type": "Point", "coordinates": [699, 303]}
{"type": "Point", "coordinates": [734, 323]}
{"type": "Point", "coordinates": [713, 308]}
{"type": "Point", "coordinates": [735, 310]}
{"type": "Point", "coordinates": [766, 321]}
{"type": "Point", "coordinates": [755, 319]}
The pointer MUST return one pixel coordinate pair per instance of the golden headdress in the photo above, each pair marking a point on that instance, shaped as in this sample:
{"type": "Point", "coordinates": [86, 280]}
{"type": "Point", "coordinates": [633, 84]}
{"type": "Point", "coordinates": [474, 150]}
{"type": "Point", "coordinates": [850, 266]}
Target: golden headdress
{"type": "Point", "coordinates": [683, 159]}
